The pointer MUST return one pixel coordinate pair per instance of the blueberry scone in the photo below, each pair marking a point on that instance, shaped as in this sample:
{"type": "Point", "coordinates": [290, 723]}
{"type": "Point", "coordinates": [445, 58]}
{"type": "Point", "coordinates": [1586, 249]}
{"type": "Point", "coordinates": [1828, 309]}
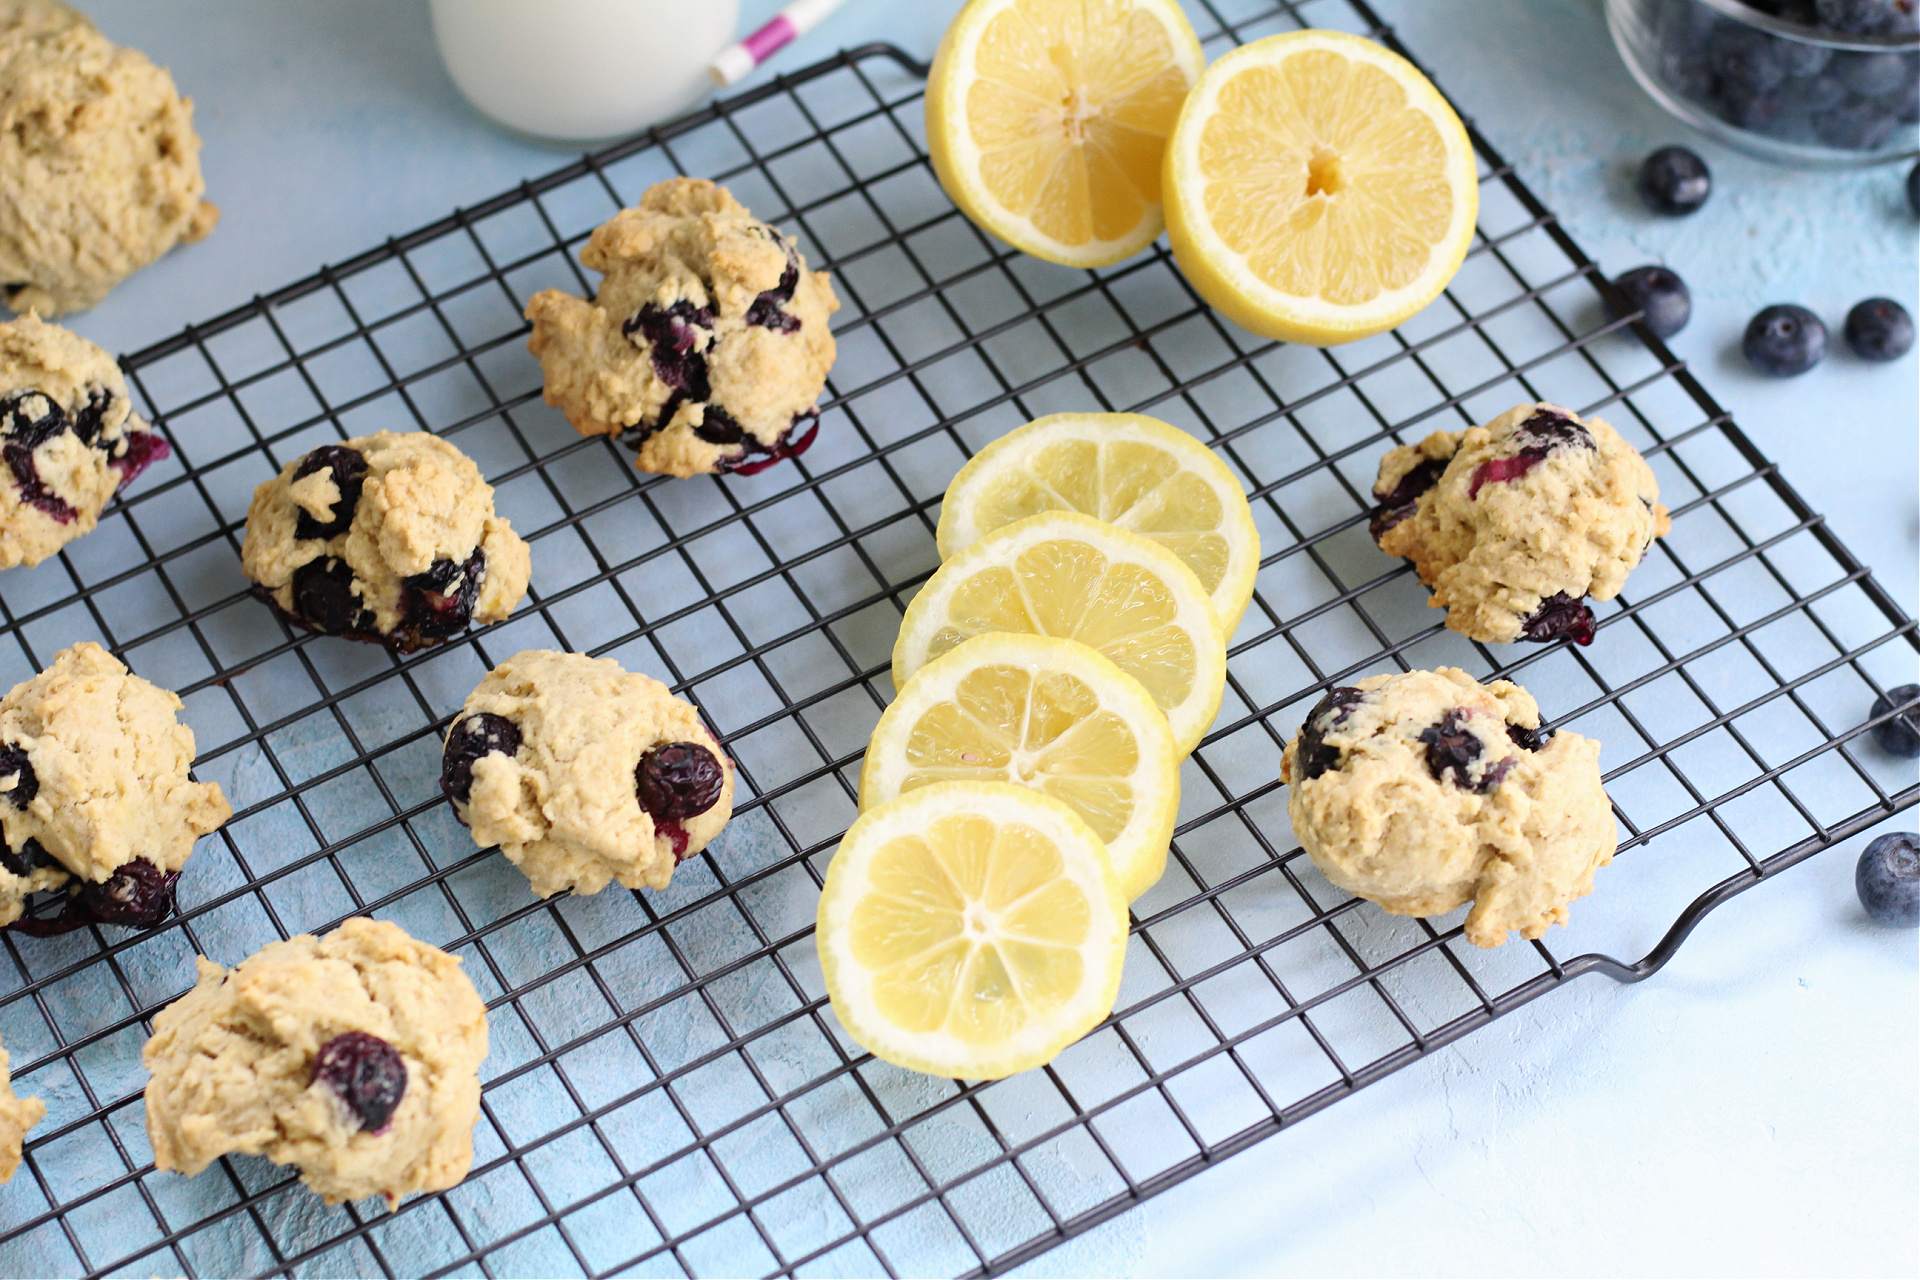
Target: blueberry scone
{"type": "Point", "coordinates": [707, 345]}
{"type": "Point", "coordinates": [1514, 525]}
{"type": "Point", "coordinates": [354, 1057]}
{"type": "Point", "coordinates": [17, 1115]}
{"type": "Point", "coordinates": [95, 793]}
{"type": "Point", "coordinates": [583, 773]}
{"type": "Point", "coordinates": [69, 436]}
{"type": "Point", "coordinates": [1426, 790]}
{"type": "Point", "coordinates": [390, 538]}
{"type": "Point", "coordinates": [98, 160]}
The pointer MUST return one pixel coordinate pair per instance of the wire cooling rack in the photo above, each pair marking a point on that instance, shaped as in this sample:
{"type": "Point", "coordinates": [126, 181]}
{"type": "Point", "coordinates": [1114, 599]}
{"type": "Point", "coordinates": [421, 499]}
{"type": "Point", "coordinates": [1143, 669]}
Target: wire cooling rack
{"type": "Point", "coordinates": [668, 1091]}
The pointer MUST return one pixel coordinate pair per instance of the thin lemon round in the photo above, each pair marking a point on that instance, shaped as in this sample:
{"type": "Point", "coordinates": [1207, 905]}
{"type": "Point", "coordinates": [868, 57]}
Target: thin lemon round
{"type": "Point", "coordinates": [1046, 120]}
{"type": "Point", "coordinates": [971, 930]}
{"type": "Point", "coordinates": [1318, 188]}
{"type": "Point", "coordinates": [1044, 713]}
{"type": "Point", "coordinates": [1065, 574]}
{"type": "Point", "coordinates": [1125, 468]}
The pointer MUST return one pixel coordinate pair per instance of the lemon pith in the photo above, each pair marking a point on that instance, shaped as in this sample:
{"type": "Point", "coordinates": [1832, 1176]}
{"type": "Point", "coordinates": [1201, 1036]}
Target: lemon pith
{"type": "Point", "coordinates": [1046, 120]}
{"type": "Point", "coordinates": [970, 930]}
{"type": "Point", "coordinates": [1318, 188]}
{"type": "Point", "coordinates": [1065, 574]}
{"type": "Point", "coordinates": [1130, 470]}
{"type": "Point", "coordinates": [1048, 714]}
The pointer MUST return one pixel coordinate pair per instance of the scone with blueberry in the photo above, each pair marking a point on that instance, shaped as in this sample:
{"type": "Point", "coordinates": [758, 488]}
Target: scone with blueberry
{"type": "Point", "coordinates": [17, 1115]}
{"type": "Point", "coordinates": [390, 538]}
{"type": "Point", "coordinates": [1515, 525]}
{"type": "Point", "coordinates": [95, 794]}
{"type": "Point", "coordinates": [1428, 790]}
{"type": "Point", "coordinates": [706, 347]}
{"type": "Point", "coordinates": [98, 160]}
{"type": "Point", "coordinates": [69, 436]}
{"type": "Point", "coordinates": [584, 773]}
{"type": "Point", "coordinates": [353, 1057]}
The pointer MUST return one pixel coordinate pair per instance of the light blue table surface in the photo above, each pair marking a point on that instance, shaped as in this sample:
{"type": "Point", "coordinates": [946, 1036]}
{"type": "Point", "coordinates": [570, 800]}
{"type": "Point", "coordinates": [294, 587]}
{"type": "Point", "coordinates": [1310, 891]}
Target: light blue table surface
{"type": "Point", "coordinates": [1751, 1110]}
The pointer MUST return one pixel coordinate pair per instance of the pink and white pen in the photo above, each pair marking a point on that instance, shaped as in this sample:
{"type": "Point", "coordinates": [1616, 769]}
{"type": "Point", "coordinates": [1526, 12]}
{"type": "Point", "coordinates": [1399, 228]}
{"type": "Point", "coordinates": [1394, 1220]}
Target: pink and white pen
{"type": "Point", "coordinates": [735, 61]}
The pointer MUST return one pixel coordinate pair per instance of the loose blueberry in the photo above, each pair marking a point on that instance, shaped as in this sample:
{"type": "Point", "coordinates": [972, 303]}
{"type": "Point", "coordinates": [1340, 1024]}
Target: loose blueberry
{"type": "Point", "coordinates": [32, 856]}
{"type": "Point", "coordinates": [1879, 329]}
{"type": "Point", "coordinates": [678, 780]}
{"type": "Point", "coordinates": [1452, 749]}
{"type": "Point", "coordinates": [1887, 878]}
{"type": "Point", "coordinates": [349, 468]}
{"type": "Point", "coordinates": [1401, 501]}
{"type": "Point", "coordinates": [481, 734]}
{"type": "Point", "coordinates": [366, 1073]}
{"type": "Point", "coordinates": [1899, 736]}
{"type": "Point", "coordinates": [1784, 340]}
{"type": "Point", "coordinates": [439, 603]}
{"type": "Point", "coordinates": [15, 764]}
{"type": "Point", "coordinates": [324, 599]}
{"type": "Point", "coordinates": [1315, 757]}
{"type": "Point", "coordinates": [1674, 181]}
{"type": "Point", "coordinates": [138, 895]}
{"type": "Point", "coordinates": [1559, 616]}
{"type": "Point", "coordinates": [1660, 294]}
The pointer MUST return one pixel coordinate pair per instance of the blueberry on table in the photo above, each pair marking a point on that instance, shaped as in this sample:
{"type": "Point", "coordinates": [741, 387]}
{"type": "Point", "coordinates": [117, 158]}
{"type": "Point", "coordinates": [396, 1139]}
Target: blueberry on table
{"type": "Point", "coordinates": [1784, 340]}
{"type": "Point", "coordinates": [1659, 295]}
{"type": "Point", "coordinates": [1899, 736]}
{"type": "Point", "coordinates": [1674, 181]}
{"type": "Point", "coordinates": [1913, 189]}
{"type": "Point", "coordinates": [1887, 879]}
{"type": "Point", "coordinates": [1879, 329]}
{"type": "Point", "coordinates": [366, 1073]}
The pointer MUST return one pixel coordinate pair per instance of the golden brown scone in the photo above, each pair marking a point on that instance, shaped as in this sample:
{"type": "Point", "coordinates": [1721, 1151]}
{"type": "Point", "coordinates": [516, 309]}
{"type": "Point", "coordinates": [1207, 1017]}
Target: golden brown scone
{"type": "Point", "coordinates": [706, 347]}
{"type": "Point", "coordinates": [354, 1057]}
{"type": "Point", "coordinates": [94, 782]}
{"type": "Point", "coordinates": [584, 773]}
{"type": "Point", "coordinates": [388, 537]}
{"type": "Point", "coordinates": [99, 163]}
{"type": "Point", "coordinates": [1427, 790]}
{"type": "Point", "coordinates": [17, 1115]}
{"type": "Point", "coordinates": [1515, 524]}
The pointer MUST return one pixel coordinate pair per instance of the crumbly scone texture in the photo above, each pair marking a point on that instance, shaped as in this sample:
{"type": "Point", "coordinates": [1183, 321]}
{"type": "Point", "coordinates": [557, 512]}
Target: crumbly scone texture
{"type": "Point", "coordinates": [233, 1063]}
{"type": "Point", "coordinates": [707, 345]}
{"type": "Point", "coordinates": [99, 163]}
{"type": "Point", "coordinates": [564, 806]}
{"type": "Point", "coordinates": [106, 761]}
{"type": "Point", "coordinates": [69, 435]}
{"type": "Point", "coordinates": [1423, 791]}
{"type": "Point", "coordinates": [1537, 503]}
{"type": "Point", "coordinates": [17, 1115]}
{"type": "Point", "coordinates": [422, 512]}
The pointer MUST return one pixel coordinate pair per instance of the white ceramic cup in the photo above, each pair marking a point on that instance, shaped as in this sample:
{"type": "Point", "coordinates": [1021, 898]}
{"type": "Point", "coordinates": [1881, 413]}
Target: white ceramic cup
{"type": "Point", "coordinates": [582, 70]}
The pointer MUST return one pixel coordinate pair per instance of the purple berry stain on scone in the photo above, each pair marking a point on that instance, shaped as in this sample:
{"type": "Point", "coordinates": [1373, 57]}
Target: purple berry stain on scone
{"type": "Point", "coordinates": [1315, 757]}
{"type": "Point", "coordinates": [349, 475]}
{"type": "Point", "coordinates": [1453, 748]}
{"type": "Point", "coordinates": [439, 603]}
{"type": "Point", "coordinates": [480, 734]}
{"type": "Point", "coordinates": [32, 856]}
{"type": "Point", "coordinates": [1559, 617]}
{"type": "Point", "coordinates": [1400, 501]}
{"type": "Point", "coordinates": [324, 599]}
{"type": "Point", "coordinates": [676, 781]}
{"type": "Point", "coordinates": [15, 764]}
{"type": "Point", "coordinates": [768, 307]}
{"type": "Point", "coordinates": [28, 419]}
{"type": "Point", "coordinates": [1544, 432]}
{"type": "Point", "coordinates": [367, 1074]}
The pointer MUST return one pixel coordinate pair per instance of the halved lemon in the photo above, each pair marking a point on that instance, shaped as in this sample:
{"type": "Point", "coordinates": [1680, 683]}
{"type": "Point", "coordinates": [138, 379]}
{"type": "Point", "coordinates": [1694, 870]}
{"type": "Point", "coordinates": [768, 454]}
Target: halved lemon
{"type": "Point", "coordinates": [1048, 714]}
{"type": "Point", "coordinates": [1125, 468]}
{"type": "Point", "coordinates": [1318, 188]}
{"type": "Point", "coordinates": [971, 930]}
{"type": "Point", "coordinates": [1046, 120]}
{"type": "Point", "coordinates": [1065, 574]}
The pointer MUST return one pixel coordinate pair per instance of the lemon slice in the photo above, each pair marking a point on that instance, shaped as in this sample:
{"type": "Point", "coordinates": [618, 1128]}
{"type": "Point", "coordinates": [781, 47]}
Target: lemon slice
{"type": "Point", "coordinates": [1319, 189]}
{"type": "Point", "coordinates": [971, 930]}
{"type": "Point", "coordinates": [1048, 714]}
{"type": "Point", "coordinates": [1127, 469]}
{"type": "Point", "coordinates": [1046, 120]}
{"type": "Point", "coordinates": [1065, 574]}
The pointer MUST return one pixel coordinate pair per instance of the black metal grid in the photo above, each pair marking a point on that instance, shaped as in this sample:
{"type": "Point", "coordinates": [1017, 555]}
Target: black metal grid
{"type": "Point", "coordinates": [668, 1090]}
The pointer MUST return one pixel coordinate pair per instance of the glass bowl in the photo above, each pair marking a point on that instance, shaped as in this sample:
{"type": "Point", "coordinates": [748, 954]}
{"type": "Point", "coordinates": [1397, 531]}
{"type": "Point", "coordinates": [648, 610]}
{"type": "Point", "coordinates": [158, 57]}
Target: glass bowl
{"type": "Point", "coordinates": [1772, 88]}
